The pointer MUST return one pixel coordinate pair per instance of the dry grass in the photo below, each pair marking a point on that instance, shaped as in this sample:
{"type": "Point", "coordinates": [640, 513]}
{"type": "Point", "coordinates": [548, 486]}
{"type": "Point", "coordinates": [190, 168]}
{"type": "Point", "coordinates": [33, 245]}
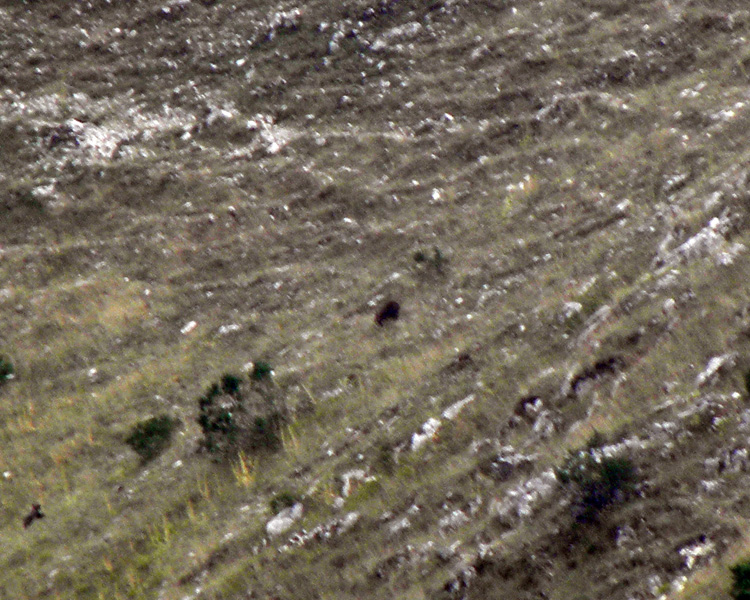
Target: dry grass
{"type": "Point", "coordinates": [546, 151]}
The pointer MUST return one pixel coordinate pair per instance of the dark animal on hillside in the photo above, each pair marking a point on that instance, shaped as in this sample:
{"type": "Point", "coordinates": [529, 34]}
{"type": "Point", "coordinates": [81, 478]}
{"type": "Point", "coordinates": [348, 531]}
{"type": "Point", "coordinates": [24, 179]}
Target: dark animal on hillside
{"type": "Point", "coordinates": [36, 513]}
{"type": "Point", "coordinates": [388, 311]}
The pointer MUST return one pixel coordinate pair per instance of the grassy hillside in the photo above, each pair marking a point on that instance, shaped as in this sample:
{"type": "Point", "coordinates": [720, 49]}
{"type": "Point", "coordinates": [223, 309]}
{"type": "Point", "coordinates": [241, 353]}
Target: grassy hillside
{"type": "Point", "coordinates": [556, 193]}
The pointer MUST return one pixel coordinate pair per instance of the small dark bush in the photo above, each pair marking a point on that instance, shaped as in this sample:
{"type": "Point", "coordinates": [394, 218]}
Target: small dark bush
{"type": "Point", "coordinates": [216, 419]}
{"type": "Point", "coordinates": [437, 261]}
{"type": "Point", "coordinates": [6, 369]}
{"type": "Point", "coordinates": [741, 584]}
{"type": "Point", "coordinates": [231, 418]}
{"type": "Point", "coordinates": [597, 481]}
{"type": "Point", "coordinates": [266, 432]}
{"type": "Point", "coordinates": [385, 461]}
{"type": "Point", "coordinates": [260, 371]}
{"type": "Point", "coordinates": [150, 437]}
{"type": "Point", "coordinates": [282, 500]}
{"type": "Point", "coordinates": [230, 384]}
{"type": "Point", "coordinates": [747, 381]}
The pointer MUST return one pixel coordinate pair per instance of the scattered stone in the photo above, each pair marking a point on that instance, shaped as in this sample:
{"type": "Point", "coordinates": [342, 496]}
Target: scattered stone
{"type": "Point", "coordinates": [625, 536]}
{"type": "Point", "coordinates": [396, 34]}
{"type": "Point", "coordinates": [428, 431]}
{"type": "Point", "coordinates": [712, 466]}
{"type": "Point", "coordinates": [519, 503]}
{"type": "Point", "coordinates": [453, 410]}
{"type": "Point", "coordinates": [351, 480]}
{"type": "Point", "coordinates": [227, 329]}
{"type": "Point", "coordinates": [709, 241]}
{"type": "Point", "coordinates": [733, 461]}
{"type": "Point", "coordinates": [284, 520]}
{"type": "Point", "coordinates": [188, 327]}
{"type": "Point", "coordinates": [444, 554]}
{"type": "Point", "coordinates": [528, 408]}
{"type": "Point", "coordinates": [452, 521]}
{"type": "Point", "coordinates": [461, 579]}
{"type": "Point", "coordinates": [593, 323]}
{"type": "Point", "coordinates": [321, 533]}
{"type": "Point", "coordinates": [737, 460]}
{"type": "Point", "coordinates": [570, 310]}
{"type": "Point", "coordinates": [715, 366]}
{"type": "Point", "coordinates": [704, 413]}
{"type": "Point", "coordinates": [545, 425]}
{"type": "Point", "coordinates": [505, 463]}
{"type": "Point", "coordinates": [398, 526]}
{"type": "Point", "coordinates": [696, 551]}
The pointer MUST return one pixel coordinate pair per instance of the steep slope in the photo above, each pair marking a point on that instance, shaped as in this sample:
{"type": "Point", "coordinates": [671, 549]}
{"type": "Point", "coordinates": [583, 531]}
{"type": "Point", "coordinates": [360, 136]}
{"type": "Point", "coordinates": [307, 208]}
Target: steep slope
{"type": "Point", "coordinates": [556, 193]}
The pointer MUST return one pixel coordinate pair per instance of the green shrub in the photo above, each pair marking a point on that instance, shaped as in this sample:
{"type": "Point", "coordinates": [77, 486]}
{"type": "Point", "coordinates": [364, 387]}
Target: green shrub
{"type": "Point", "coordinates": [283, 500]}
{"type": "Point", "coordinates": [230, 384]}
{"type": "Point", "coordinates": [260, 371]}
{"type": "Point", "coordinates": [437, 261]}
{"type": "Point", "coordinates": [150, 437]}
{"type": "Point", "coordinates": [266, 432]}
{"type": "Point", "coordinates": [233, 419]}
{"type": "Point", "coordinates": [597, 481]}
{"type": "Point", "coordinates": [216, 419]}
{"type": "Point", "coordinates": [741, 584]}
{"type": "Point", "coordinates": [6, 369]}
{"type": "Point", "coordinates": [747, 381]}
{"type": "Point", "coordinates": [385, 462]}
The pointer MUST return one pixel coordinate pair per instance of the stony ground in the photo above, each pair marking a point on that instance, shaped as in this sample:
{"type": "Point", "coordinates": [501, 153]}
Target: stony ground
{"type": "Point", "coordinates": [557, 195]}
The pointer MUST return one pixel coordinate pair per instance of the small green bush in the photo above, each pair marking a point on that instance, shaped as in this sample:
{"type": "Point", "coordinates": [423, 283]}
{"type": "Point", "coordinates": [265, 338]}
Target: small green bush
{"type": "Point", "coordinates": [598, 481]}
{"type": "Point", "coordinates": [260, 371]}
{"type": "Point", "coordinates": [437, 261]}
{"type": "Point", "coordinates": [150, 437]}
{"type": "Point", "coordinates": [741, 584]}
{"type": "Point", "coordinates": [232, 419]}
{"type": "Point", "coordinates": [266, 432]}
{"type": "Point", "coordinates": [385, 462]}
{"type": "Point", "coordinates": [283, 500]}
{"type": "Point", "coordinates": [6, 369]}
{"type": "Point", "coordinates": [216, 419]}
{"type": "Point", "coordinates": [747, 382]}
{"type": "Point", "coordinates": [230, 384]}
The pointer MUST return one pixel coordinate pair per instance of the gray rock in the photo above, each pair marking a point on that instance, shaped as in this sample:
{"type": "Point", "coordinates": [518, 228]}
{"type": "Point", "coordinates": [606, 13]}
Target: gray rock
{"type": "Point", "coordinates": [716, 365]}
{"type": "Point", "coordinates": [398, 526]}
{"type": "Point", "coordinates": [284, 520]}
{"type": "Point", "coordinates": [454, 520]}
{"type": "Point", "coordinates": [351, 479]}
{"type": "Point", "coordinates": [520, 502]}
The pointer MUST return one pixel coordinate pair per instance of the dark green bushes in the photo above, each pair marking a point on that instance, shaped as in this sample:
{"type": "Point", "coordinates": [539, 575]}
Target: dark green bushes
{"type": "Point", "coordinates": [230, 384]}
{"type": "Point", "coordinates": [261, 371]}
{"type": "Point", "coordinates": [216, 418]}
{"type": "Point", "coordinates": [741, 584]}
{"type": "Point", "coordinates": [7, 370]}
{"type": "Point", "coordinates": [150, 437]}
{"type": "Point", "coordinates": [242, 414]}
{"type": "Point", "coordinates": [436, 261]}
{"type": "Point", "coordinates": [283, 500]}
{"type": "Point", "coordinates": [597, 481]}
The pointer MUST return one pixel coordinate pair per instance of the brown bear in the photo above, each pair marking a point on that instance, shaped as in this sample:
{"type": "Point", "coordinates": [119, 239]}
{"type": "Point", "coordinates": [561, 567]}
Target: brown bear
{"type": "Point", "coordinates": [36, 513]}
{"type": "Point", "coordinates": [388, 311]}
